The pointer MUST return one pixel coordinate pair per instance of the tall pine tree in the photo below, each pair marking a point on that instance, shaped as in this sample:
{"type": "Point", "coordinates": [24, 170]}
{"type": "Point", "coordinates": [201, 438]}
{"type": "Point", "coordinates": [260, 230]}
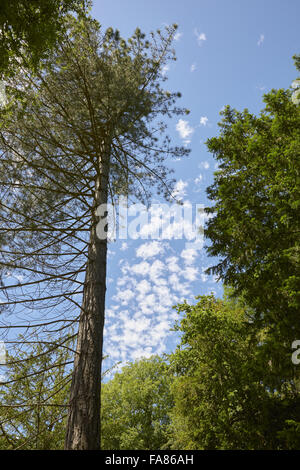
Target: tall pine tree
{"type": "Point", "coordinates": [91, 125]}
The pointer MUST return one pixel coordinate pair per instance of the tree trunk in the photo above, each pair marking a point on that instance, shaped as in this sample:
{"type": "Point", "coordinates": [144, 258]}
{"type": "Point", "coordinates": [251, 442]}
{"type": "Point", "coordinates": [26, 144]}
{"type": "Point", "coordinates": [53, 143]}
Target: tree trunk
{"type": "Point", "coordinates": [83, 425]}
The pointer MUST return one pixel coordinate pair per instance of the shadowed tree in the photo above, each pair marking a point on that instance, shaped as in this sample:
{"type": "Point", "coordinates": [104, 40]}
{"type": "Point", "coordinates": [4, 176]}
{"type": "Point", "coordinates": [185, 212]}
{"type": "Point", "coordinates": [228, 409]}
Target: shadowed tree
{"type": "Point", "coordinates": [34, 399]}
{"type": "Point", "coordinates": [90, 126]}
{"type": "Point", "coordinates": [32, 28]}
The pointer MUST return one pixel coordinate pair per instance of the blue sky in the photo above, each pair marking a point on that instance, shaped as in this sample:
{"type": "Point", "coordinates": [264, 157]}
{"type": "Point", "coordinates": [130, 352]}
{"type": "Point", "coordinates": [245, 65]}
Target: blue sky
{"type": "Point", "coordinates": [228, 52]}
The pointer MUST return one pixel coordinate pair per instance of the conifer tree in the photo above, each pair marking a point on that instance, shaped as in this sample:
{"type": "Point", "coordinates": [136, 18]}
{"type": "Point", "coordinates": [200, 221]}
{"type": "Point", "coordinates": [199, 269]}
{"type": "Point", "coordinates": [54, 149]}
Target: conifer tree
{"type": "Point", "coordinates": [90, 126]}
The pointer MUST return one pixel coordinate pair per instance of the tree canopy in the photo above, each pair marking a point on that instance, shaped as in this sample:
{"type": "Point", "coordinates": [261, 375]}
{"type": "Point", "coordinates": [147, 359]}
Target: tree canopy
{"type": "Point", "coordinates": [222, 397]}
{"type": "Point", "coordinates": [83, 122]}
{"type": "Point", "coordinates": [87, 127]}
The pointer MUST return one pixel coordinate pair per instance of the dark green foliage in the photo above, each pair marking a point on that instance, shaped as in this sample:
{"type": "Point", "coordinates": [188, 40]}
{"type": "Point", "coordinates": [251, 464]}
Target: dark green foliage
{"type": "Point", "coordinates": [136, 405]}
{"type": "Point", "coordinates": [221, 393]}
{"type": "Point", "coordinates": [29, 28]}
{"type": "Point", "coordinates": [254, 230]}
{"type": "Point", "coordinates": [254, 227]}
{"type": "Point", "coordinates": [34, 397]}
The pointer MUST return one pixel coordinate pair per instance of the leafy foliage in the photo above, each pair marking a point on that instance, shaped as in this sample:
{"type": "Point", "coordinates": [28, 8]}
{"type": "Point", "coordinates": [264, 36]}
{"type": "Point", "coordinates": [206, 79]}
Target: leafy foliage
{"type": "Point", "coordinates": [135, 406]}
{"type": "Point", "coordinates": [29, 28]}
{"type": "Point", "coordinates": [34, 397]}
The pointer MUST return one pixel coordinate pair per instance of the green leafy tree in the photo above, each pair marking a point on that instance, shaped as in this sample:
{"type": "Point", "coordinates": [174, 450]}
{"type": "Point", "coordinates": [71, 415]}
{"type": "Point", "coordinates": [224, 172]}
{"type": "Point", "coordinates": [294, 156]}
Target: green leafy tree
{"type": "Point", "coordinates": [254, 225]}
{"type": "Point", "coordinates": [34, 396]}
{"type": "Point", "coordinates": [135, 406]}
{"type": "Point", "coordinates": [222, 400]}
{"type": "Point", "coordinates": [30, 28]}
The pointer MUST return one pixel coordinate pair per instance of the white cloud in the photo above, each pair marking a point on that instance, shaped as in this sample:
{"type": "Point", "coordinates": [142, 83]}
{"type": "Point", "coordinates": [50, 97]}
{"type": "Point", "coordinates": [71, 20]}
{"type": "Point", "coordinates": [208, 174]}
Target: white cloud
{"type": "Point", "coordinates": [132, 338]}
{"type": "Point", "coordinates": [203, 120]}
{"type": "Point", "coordinates": [124, 246]}
{"type": "Point", "coordinates": [261, 39]}
{"type": "Point", "coordinates": [153, 227]}
{"type": "Point", "coordinates": [140, 315]}
{"type": "Point", "coordinates": [179, 189]}
{"type": "Point", "coordinates": [185, 130]}
{"type": "Point", "coordinates": [160, 330]}
{"type": "Point", "coordinates": [296, 84]}
{"type": "Point", "coordinates": [156, 271]}
{"type": "Point", "coordinates": [198, 179]}
{"type": "Point", "coordinates": [176, 283]}
{"type": "Point", "coordinates": [143, 287]}
{"type": "Point", "coordinates": [3, 99]}
{"type": "Point", "coordinates": [204, 165]}
{"type": "Point", "coordinates": [193, 67]}
{"type": "Point", "coordinates": [2, 353]}
{"type": "Point", "coordinates": [124, 296]}
{"type": "Point", "coordinates": [177, 36]}
{"type": "Point", "coordinates": [190, 273]}
{"type": "Point", "coordinates": [261, 87]}
{"type": "Point", "coordinates": [148, 250]}
{"type": "Point", "coordinates": [201, 37]}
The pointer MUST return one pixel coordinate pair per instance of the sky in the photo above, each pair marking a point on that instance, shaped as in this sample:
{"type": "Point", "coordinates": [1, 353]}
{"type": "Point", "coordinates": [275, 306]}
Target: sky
{"type": "Point", "coordinates": [228, 53]}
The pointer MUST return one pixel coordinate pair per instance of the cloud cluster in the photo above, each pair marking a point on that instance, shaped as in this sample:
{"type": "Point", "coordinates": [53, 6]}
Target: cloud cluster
{"type": "Point", "coordinates": [185, 130]}
{"type": "Point", "coordinates": [205, 165]}
{"type": "Point", "coordinates": [199, 179]}
{"type": "Point", "coordinates": [148, 250]}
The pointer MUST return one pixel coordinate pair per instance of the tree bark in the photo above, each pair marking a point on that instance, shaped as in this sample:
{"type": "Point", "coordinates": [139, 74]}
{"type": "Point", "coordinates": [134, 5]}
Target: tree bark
{"type": "Point", "coordinates": [83, 424]}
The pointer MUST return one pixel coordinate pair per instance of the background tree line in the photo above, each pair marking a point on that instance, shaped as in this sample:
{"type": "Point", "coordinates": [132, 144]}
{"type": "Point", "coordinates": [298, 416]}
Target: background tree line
{"type": "Point", "coordinates": [212, 392]}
